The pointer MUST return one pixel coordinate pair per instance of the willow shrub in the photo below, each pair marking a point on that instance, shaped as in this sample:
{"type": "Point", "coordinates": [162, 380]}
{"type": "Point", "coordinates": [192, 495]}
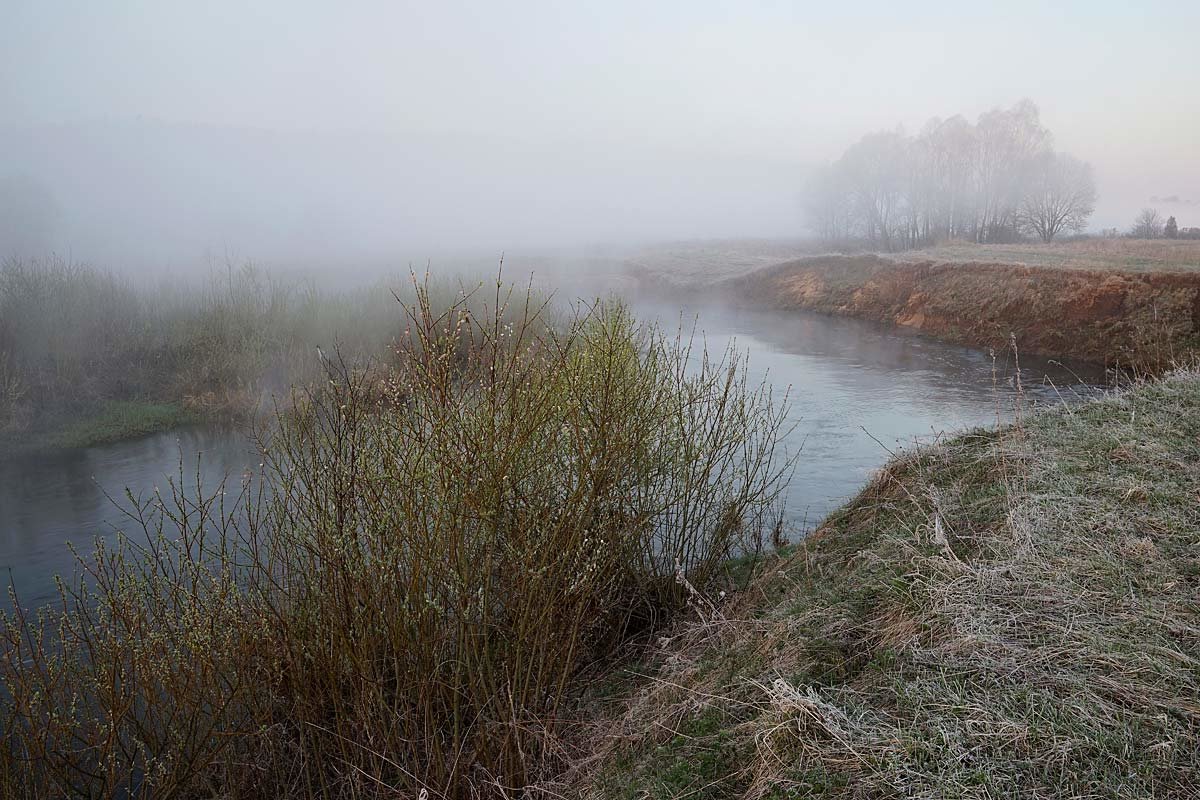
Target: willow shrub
{"type": "Point", "coordinates": [410, 603]}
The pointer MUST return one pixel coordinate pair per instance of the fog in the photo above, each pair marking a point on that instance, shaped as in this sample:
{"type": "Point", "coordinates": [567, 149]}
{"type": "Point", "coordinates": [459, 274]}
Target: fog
{"type": "Point", "coordinates": [153, 135]}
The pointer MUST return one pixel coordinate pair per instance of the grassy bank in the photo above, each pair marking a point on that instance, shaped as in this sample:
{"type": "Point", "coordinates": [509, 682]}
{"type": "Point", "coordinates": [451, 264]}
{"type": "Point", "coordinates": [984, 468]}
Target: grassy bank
{"type": "Point", "coordinates": [106, 422]}
{"type": "Point", "coordinates": [1005, 614]}
{"type": "Point", "coordinates": [1141, 320]}
{"type": "Point", "coordinates": [692, 266]}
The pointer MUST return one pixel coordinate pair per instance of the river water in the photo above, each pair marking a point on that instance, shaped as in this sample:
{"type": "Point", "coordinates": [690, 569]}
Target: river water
{"type": "Point", "coordinates": [857, 390]}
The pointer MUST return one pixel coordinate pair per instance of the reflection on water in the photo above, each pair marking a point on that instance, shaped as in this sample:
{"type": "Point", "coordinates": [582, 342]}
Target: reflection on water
{"type": "Point", "coordinates": [50, 499]}
{"type": "Point", "coordinates": [856, 389]}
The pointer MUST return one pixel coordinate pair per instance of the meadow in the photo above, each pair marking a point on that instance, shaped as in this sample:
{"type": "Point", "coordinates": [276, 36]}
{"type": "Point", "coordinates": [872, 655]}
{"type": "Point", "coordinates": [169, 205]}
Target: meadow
{"type": "Point", "coordinates": [691, 266]}
{"type": "Point", "coordinates": [1119, 254]}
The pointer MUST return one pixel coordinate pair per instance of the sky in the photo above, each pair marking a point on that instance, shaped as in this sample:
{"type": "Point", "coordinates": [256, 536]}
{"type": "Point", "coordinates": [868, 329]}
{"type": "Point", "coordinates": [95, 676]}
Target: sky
{"type": "Point", "coordinates": [170, 130]}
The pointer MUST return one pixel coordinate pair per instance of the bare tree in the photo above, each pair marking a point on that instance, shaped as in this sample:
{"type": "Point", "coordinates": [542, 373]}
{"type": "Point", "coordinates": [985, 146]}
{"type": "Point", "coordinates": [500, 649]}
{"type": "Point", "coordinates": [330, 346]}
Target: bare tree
{"type": "Point", "coordinates": [952, 145]}
{"type": "Point", "coordinates": [1008, 141]}
{"type": "Point", "coordinates": [829, 208]}
{"type": "Point", "coordinates": [987, 181]}
{"type": "Point", "coordinates": [1171, 231]}
{"type": "Point", "coordinates": [875, 171]}
{"type": "Point", "coordinates": [1148, 225]}
{"type": "Point", "coordinates": [1060, 195]}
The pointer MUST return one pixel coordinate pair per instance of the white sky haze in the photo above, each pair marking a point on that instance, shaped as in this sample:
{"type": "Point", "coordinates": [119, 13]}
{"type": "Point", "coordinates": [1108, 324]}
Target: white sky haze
{"type": "Point", "coordinates": [278, 127]}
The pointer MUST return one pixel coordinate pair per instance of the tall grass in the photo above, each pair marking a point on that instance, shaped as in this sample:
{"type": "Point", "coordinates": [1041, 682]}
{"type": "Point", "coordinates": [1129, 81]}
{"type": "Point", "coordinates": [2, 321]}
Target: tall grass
{"type": "Point", "coordinates": [406, 601]}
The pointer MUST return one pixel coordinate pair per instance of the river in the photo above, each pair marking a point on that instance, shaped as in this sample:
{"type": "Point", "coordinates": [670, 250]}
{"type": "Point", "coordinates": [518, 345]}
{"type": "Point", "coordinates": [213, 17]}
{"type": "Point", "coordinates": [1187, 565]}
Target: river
{"type": "Point", "coordinates": [857, 391]}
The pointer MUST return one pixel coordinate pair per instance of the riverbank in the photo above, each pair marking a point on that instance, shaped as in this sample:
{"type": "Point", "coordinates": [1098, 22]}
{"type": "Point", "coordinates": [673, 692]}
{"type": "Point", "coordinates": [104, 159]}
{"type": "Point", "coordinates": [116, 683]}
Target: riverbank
{"type": "Point", "coordinates": [1144, 320]}
{"type": "Point", "coordinates": [1008, 613]}
{"type": "Point", "coordinates": [112, 421]}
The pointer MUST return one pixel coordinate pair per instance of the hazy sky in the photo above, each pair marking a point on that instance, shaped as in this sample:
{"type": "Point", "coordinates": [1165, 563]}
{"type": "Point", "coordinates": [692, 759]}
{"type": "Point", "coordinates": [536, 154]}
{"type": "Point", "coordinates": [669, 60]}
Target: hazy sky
{"type": "Point", "coordinates": [450, 124]}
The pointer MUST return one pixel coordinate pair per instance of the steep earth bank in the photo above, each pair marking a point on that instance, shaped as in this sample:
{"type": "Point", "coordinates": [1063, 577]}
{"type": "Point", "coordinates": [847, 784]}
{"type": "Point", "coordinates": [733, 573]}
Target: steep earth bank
{"type": "Point", "coordinates": [1145, 320]}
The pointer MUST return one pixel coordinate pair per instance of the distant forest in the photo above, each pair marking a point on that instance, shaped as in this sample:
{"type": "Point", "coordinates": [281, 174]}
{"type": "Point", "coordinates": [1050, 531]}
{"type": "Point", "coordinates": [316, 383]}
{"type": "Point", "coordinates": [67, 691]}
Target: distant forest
{"type": "Point", "coordinates": [996, 180]}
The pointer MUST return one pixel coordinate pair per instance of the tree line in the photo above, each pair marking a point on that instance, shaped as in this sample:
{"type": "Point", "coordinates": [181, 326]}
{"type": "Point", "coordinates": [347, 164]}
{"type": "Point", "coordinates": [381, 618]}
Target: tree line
{"type": "Point", "coordinates": [1149, 225]}
{"type": "Point", "coordinates": [996, 180]}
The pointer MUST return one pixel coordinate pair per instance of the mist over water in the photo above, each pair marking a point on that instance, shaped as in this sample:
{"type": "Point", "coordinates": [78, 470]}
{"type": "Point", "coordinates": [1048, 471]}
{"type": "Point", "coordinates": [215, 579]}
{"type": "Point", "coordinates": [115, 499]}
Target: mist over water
{"type": "Point", "coordinates": [857, 393]}
{"type": "Point", "coordinates": [147, 196]}
{"type": "Point", "coordinates": [174, 143]}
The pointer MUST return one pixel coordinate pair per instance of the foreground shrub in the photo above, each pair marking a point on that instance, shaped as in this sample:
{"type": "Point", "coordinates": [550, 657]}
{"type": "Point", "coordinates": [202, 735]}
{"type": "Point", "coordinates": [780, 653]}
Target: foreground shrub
{"type": "Point", "coordinates": [409, 597]}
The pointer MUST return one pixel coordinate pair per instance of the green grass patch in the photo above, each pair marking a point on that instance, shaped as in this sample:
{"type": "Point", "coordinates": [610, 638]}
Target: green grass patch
{"type": "Point", "coordinates": [123, 419]}
{"type": "Point", "coordinates": [112, 421]}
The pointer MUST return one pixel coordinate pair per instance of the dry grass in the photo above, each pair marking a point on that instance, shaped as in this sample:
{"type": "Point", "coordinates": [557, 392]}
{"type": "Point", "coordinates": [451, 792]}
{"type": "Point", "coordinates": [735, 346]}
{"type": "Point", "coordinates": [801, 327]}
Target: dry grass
{"type": "Point", "coordinates": [1006, 614]}
{"type": "Point", "coordinates": [706, 265]}
{"type": "Point", "coordinates": [1143, 322]}
{"type": "Point", "coordinates": [1134, 255]}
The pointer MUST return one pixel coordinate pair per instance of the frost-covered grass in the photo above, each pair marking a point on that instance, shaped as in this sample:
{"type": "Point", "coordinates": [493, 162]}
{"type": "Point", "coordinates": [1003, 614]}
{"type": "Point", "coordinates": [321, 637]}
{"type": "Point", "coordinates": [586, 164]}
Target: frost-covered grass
{"type": "Point", "coordinates": [1006, 614]}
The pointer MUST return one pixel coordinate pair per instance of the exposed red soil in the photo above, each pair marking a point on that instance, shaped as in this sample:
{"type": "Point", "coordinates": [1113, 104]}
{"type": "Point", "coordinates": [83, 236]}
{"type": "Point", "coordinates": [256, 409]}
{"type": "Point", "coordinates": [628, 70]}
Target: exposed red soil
{"type": "Point", "coordinates": [1139, 319]}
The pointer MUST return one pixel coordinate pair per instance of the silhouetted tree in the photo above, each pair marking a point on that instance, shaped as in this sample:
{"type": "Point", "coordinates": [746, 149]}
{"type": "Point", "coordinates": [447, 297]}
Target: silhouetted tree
{"type": "Point", "coordinates": [1008, 142]}
{"type": "Point", "coordinates": [1148, 225]}
{"type": "Point", "coordinates": [986, 182]}
{"type": "Point", "coordinates": [1060, 195]}
{"type": "Point", "coordinates": [1171, 230]}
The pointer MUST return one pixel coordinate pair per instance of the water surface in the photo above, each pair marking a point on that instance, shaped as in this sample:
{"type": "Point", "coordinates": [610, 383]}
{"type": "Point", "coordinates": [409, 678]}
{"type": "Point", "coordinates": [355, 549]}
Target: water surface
{"type": "Point", "coordinates": [857, 391]}
{"type": "Point", "coordinates": [48, 500]}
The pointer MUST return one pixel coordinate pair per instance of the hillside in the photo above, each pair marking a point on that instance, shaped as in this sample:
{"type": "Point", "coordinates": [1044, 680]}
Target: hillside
{"type": "Point", "coordinates": [1005, 614]}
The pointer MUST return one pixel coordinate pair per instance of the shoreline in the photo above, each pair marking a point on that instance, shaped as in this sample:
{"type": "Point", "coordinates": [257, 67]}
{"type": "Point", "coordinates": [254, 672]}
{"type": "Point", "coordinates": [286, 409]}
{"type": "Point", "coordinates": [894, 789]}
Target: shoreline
{"type": "Point", "coordinates": [1140, 321]}
{"type": "Point", "coordinates": [1130, 304]}
{"type": "Point", "coordinates": [113, 421]}
{"type": "Point", "coordinates": [1035, 579]}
